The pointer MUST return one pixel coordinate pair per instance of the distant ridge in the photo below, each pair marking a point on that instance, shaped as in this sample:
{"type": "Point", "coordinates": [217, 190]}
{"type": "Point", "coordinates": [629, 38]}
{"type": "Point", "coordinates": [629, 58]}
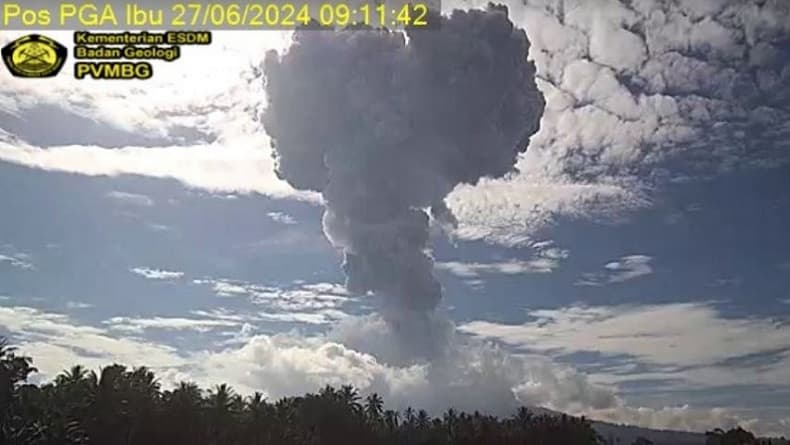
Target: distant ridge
{"type": "Point", "coordinates": [627, 434]}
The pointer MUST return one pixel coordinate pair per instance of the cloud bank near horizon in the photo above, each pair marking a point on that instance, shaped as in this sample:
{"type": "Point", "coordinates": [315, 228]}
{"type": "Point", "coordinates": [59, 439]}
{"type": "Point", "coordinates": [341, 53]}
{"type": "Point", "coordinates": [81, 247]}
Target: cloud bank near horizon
{"type": "Point", "coordinates": [492, 380]}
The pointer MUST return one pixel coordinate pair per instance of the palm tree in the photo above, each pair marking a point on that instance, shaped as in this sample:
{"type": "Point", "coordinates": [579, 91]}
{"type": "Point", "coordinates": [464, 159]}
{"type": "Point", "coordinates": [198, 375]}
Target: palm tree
{"type": "Point", "coordinates": [523, 416]}
{"type": "Point", "coordinates": [187, 396]}
{"type": "Point", "coordinates": [108, 418]}
{"type": "Point", "coordinates": [286, 413]}
{"type": "Point", "coordinates": [423, 420]}
{"type": "Point", "coordinates": [373, 408]}
{"type": "Point", "coordinates": [350, 397]}
{"type": "Point", "coordinates": [451, 423]}
{"type": "Point", "coordinates": [409, 416]}
{"type": "Point", "coordinates": [391, 419]}
{"type": "Point", "coordinates": [222, 408]}
{"type": "Point", "coordinates": [73, 376]}
{"type": "Point", "coordinates": [258, 415]}
{"type": "Point", "coordinates": [14, 370]}
{"type": "Point", "coordinates": [69, 402]}
{"type": "Point", "coordinates": [409, 424]}
{"type": "Point", "coordinates": [715, 437]}
{"type": "Point", "coordinates": [142, 396]}
{"type": "Point", "coordinates": [183, 408]}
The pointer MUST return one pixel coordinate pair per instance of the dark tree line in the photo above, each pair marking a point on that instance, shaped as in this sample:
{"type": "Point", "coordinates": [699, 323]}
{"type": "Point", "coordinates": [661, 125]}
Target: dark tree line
{"type": "Point", "coordinates": [738, 436]}
{"type": "Point", "coordinates": [127, 406]}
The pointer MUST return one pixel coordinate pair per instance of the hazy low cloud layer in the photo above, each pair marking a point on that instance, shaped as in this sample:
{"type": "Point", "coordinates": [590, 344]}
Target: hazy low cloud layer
{"type": "Point", "coordinates": [472, 375]}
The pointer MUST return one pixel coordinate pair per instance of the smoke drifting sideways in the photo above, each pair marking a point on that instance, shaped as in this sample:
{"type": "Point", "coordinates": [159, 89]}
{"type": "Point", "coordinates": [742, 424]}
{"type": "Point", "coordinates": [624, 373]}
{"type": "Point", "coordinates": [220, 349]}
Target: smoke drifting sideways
{"type": "Point", "coordinates": [384, 124]}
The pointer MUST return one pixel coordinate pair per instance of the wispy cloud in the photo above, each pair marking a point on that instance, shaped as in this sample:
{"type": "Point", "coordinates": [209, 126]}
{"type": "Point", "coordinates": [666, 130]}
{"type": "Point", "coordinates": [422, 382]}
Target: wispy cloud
{"type": "Point", "coordinates": [546, 259]}
{"type": "Point", "coordinates": [19, 261]}
{"type": "Point", "coordinates": [320, 317]}
{"type": "Point", "coordinates": [311, 303]}
{"type": "Point", "coordinates": [666, 337]}
{"type": "Point", "coordinates": [55, 341]}
{"type": "Point", "coordinates": [232, 166]}
{"type": "Point", "coordinates": [11, 256]}
{"type": "Point", "coordinates": [282, 218]}
{"type": "Point", "coordinates": [725, 282]}
{"type": "Point", "coordinates": [629, 267]}
{"type": "Point", "coordinates": [156, 274]}
{"type": "Point", "coordinates": [625, 269]}
{"type": "Point", "coordinates": [162, 228]}
{"type": "Point", "coordinates": [138, 325]}
{"type": "Point", "coordinates": [220, 313]}
{"type": "Point", "coordinates": [510, 267]}
{"type": "Point", "coordinates": [131, 198]}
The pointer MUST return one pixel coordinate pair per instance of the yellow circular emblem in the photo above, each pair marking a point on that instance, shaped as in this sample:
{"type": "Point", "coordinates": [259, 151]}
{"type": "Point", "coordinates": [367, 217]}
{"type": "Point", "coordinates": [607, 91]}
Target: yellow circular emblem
{"type": "Point", "coordinates": [34, 56]}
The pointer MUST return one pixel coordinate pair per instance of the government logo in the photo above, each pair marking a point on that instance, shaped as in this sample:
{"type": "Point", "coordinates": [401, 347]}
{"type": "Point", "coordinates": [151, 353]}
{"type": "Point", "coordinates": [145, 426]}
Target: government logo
{"type": "Point", "coordinates": [34, 56]}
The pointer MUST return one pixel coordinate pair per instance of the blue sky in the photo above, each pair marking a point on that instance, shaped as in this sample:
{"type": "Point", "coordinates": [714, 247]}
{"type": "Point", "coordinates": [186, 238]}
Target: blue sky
{"type": "Point", "coordinates": [636, 269]}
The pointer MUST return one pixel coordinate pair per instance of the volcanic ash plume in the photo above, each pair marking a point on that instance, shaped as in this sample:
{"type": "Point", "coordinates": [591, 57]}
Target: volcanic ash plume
{"type": "Point", "coordinates": [385, 124]}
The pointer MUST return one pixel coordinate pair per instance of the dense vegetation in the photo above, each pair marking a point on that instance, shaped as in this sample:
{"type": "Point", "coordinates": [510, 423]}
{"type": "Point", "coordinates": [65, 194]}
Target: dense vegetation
{"type": "Point", "coordinates": [122, 406]}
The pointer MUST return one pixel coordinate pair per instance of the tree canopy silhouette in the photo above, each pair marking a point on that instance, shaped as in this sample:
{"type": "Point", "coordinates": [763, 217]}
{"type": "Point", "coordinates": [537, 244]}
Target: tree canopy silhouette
{"type": "Point", "coordinates": [117, 405]}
